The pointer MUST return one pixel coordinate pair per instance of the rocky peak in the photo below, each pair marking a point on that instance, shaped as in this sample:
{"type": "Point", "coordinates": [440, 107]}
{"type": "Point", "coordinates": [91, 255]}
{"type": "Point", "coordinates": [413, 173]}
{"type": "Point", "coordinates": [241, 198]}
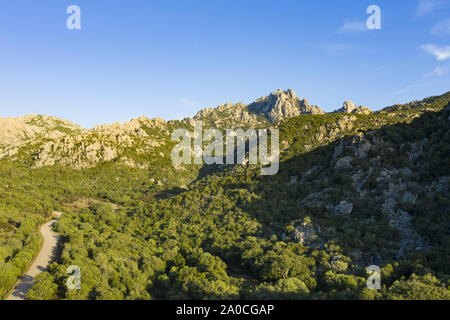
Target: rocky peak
{"type": "Point", "coordinates": [306, 108]}
{"type": "Point", "coordinates": [350, 107]}
{"type": "Point", "coordinates": [281, 104]}
{"type": "Point", "coordinates": [277, 106]}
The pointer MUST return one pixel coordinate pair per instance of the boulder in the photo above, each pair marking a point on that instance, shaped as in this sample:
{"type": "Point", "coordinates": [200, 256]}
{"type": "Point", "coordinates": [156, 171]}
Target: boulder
{"type": "Point", "coordinates": [344, 162]}
{"type": "Point", "coordinates": [343, 208]}
{"type": "Point", "coordinates": [305, 234]}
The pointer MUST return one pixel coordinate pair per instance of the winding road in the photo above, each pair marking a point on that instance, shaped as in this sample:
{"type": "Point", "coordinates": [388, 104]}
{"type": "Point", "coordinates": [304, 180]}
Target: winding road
{"type": "Point", "coordinates": [45, 257]}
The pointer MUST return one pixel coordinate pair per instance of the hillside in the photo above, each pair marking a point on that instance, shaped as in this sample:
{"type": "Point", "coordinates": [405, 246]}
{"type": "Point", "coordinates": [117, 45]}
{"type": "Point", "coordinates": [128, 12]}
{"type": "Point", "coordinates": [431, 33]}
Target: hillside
{"type": "Point", "coordinates": [355, 188]}
{"type": "Point", "coordinates": [16, 132]}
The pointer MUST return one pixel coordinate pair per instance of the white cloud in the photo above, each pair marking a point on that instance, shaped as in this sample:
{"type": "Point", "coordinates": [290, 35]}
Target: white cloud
{"type": "Point", "coordinates": [441, 29]}
{"type": "Point", "coordinates": [353, 26]}
{"type": "Point", "coordinates": [427, 6]}
{"type": "Point", "coordinates": [441, 53]}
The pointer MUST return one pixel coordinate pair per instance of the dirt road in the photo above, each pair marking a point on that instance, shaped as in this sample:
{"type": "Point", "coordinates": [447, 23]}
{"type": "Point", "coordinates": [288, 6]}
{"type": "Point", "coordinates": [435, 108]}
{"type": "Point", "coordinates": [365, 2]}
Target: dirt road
{"type": "Point", "coordinates": [44, 258]}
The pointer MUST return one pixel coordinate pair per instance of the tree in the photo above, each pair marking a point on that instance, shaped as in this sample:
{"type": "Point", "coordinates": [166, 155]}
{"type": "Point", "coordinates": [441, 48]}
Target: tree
{"type": "Point", "coordinates": [44, 288]}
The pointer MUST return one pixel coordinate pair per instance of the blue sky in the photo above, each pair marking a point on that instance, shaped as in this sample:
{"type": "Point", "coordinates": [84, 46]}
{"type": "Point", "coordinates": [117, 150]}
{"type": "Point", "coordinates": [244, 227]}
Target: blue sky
{"type": "Point", "coordinates": [171, 58]}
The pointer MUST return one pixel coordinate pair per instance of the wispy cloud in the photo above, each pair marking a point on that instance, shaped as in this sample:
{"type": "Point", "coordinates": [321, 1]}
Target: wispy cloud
{"type": "Point", "coordinates": [437, 72]}
{"type": "Point", "coordinates": [353, 26]}
{"type": "Point", "coordinates": [441, 53]}
{"type": "Point", "coordinates": [428, 6]}
{"type": "Point", "coordinates": [410, 87]}
{"type": "Point", "coordinates": [427, 80]}
{"type": "Point", "coordinates": [441, 29]}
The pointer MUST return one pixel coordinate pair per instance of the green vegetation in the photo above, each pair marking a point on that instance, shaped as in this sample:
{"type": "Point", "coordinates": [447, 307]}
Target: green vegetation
{"type": "Point", "coordinates": [233, 234]}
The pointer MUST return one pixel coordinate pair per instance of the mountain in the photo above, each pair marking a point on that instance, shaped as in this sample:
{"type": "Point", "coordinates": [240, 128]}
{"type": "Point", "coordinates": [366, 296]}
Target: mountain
{"type": "Point", "coordinates": [382, 174]}
{"type": "Point", "coordinates": [86, 148]}
{"type": "Point", "coordinates": [16, 132]}
{"type": "Point", "coordinates": [281, 105]}
{"type": "Point", "coordinates": [41, 141]}
{"type": "Point", "coordinates": [263, 112]}
{"type": "Point", "coordinates": [46, 141]}
{"type": "Point", "coordinates": [355, 188]}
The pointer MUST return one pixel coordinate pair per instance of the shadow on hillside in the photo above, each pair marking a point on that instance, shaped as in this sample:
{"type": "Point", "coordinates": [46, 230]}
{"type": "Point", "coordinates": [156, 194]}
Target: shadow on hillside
{"type": "Point", "coordinates": [278, 199]}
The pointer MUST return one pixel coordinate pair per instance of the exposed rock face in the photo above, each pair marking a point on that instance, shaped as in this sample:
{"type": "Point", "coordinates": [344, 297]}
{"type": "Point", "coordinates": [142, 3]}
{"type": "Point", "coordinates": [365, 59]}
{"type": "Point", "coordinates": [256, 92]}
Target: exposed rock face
{"type": "Point", "coordinates": [227, 116]}
{"type": "Point", "coordinates": [134, 127]}
{"type": "Point", "coordinates": [16, 132]}
{"type": "Point", "coordinates": [343, 208]}
{"type": "Point", "coordinates": [402, 221]}
{"type": "Point", "coordinates": [305, 233]}
{"type": "Point", "coordinates": [59, 142]}
{"type": "Point", "coordinates": [70, 145]}
{"type": "Point", "coordinates": [314, 200]}
{"type": "Point", "coordinates": [344, 162]}
{"type": "Point", "coordinates": [409, 198]}
{"type": "Point", "coordinates": [350, 107]}
{"type": "Point", "coordinates": [366, 162]}
{"type": "Point", "coordinates": [338, 150]}
{"type": "Point", "coordinates": [362, 148]}
{"type": "Point", "coordinates": [50, 141]}
{"type": "Point", "coordinates": [417, 149]}
{"type": "Point", "coordinates": [306, 108]}
{"type": "Point", "coordinates": [281, 104]}
{"type": "Point", "coordinates": [277, 106]}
